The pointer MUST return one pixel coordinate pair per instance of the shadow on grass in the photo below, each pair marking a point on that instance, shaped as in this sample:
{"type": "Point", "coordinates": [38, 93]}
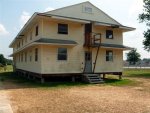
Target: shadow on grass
{"type": "Point", "coordinates": [11, 81]}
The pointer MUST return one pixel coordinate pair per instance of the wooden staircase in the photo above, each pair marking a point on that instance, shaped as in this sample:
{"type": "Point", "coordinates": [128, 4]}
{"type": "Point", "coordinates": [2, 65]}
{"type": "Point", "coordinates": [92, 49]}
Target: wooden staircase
{"type": "Point", "coordinates": [93, 78]}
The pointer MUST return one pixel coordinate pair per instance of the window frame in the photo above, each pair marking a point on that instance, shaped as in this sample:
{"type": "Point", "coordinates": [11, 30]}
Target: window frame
{"type": "Point", "coordinates": [88, 9]}
{"type": "Point", "coordinates": [59, 54]}
{"type": "Point", "coordinates": [109, 58]}
{"type": "Point", "coordinates": [31, 35]}
{"type": "Point", "coordinates": [25, 54]}
{"type": "Point", "coordinates": [21, 57]}
{"type": "Point", "coordinates": [37, 30]}
{"type": "Point", "coordinates": [63, 32]}
{"type": "Point", "coordinates": [108, 33]}
{"type": "Point", "coordinates": [36, 55]}
{"type": "Point", "coordinates": [30, 56]}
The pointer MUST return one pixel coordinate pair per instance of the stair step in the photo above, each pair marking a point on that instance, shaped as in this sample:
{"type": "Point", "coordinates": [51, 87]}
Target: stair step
{"type": "Point", "coordinates": [93, 78]}
{"type": "Point", "coordinates": [97, 82]}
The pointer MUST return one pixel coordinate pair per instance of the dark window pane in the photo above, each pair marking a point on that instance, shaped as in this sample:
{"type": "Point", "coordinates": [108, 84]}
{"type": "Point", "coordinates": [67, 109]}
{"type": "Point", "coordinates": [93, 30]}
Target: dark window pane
{"type": "Point", "coordinates": [109, 55]}
{"type": "Point", "coordinates": [36, 31]}
{"type": "Point", "coordinates": [88, 56]}
{"type": "Point", "coordinates": [36, 54]}
{"type": "Point", "coordinates": [62, 53]}
{"type": "Point", "coordinates": [109, 34]}
{"type": "Point", "coordinates": [62, 28]}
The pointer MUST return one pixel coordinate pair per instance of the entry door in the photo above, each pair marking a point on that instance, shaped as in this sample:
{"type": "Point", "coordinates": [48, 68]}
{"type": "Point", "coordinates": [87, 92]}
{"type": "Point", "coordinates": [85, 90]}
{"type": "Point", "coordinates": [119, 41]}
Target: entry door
{"type": "Point", "coordinates": [87, 31]}
{"type": "Point", "coordinates": [88, 28]}
{"type": "Point", "coordinates": [88, 62]}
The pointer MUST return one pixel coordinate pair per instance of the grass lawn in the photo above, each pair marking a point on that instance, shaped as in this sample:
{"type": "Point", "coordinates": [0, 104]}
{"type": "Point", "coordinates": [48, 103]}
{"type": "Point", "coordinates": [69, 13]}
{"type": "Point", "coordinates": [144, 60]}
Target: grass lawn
{"type": "Point", "coordinates": [144, 73]}
{"type": "Point", "coordinates": [8, 76]}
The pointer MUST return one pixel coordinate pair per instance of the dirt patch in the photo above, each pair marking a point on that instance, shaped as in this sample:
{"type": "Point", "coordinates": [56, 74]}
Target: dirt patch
{"type": "Point", "coordinates": [88, 99]}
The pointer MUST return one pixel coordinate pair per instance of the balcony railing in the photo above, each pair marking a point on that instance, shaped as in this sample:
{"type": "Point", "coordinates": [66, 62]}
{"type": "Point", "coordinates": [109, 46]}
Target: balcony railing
{"type": "Point", "coordinates": [91, 39]}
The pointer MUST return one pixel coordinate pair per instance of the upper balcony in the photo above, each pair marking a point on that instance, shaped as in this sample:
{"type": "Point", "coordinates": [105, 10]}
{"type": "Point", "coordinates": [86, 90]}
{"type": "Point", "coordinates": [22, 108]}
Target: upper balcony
{"type": "Point", "coordinates": [95, 40]}
{"type": "Point", "coordinates": [92, 39]}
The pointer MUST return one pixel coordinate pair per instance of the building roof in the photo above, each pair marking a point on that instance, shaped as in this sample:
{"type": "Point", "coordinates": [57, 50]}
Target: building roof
{"type": "Point", "coordinates": [78, 11]}
{"type": "Point", "coordinates": [75, 13]}
{"type": "Point", "coordinates": [113, 46]}
{"type": "Point", "coordinates": [56, 41]}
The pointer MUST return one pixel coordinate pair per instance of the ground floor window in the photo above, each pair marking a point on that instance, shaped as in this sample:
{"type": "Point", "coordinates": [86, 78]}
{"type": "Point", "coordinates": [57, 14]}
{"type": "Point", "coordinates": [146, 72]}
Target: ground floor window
{"type": "Point", "coordinates": [25, 56]}
{"type": "Point", "coordinates": [62, 54]}
{"type": "Point", "coordinates": [21, 57]}
{"type": "Point", "coordinates": [109, 55]}
{"type": "Point", "coordinates": [36, 54]}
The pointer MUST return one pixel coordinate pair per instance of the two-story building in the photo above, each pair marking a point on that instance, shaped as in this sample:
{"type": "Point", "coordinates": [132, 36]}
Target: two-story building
{"type": "Point", "coordinates": [70, 41]}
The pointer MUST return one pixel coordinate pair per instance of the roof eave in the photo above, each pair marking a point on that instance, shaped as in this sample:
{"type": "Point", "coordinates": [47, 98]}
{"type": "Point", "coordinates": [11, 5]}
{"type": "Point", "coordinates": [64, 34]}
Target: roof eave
{"type": "Point", "coordinates": [126, 28]}
{"type": "Point", "coordinates": [27, 23]}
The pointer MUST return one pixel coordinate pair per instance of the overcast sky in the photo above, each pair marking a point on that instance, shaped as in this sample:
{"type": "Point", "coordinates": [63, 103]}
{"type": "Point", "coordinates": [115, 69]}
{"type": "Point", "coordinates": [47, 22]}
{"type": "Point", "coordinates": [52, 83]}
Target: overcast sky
{"type": "Point", "coordinates": [15, 13]}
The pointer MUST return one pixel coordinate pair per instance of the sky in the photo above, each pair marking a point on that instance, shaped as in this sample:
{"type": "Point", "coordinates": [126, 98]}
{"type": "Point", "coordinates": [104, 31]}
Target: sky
{"type": "Point", "coordinates": [15, 13]}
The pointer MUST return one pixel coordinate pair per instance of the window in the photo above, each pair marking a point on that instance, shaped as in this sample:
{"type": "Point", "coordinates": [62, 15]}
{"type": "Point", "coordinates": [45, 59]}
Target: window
{"type": "Point", "coordinates": [21, 57]}
{"type": "Point", "coordinates": [22, 42]}
{"type": "Point", "coordinates": [30, 35]}
{"type": "Point", "coordinates": [109, 55]}
{"type": "Point", "coordinates": [36, 30]}
{"type": "Point", "coordinates": [109, 34]}
{"type": "Point", "coordinates": [62, 54]}
{"type": "Point", "coordinates": [87, 9]}
{"type": "Point", "coordinates": [19, 44]}
{"type": "Point", "coordinates": [26, 40]}
{"type": "Point", "coordinates": [30, 56]}
{"type": "Point", "coordinates": [25, 56]}
{"type": "Point", "coordinates": [36, 54]}
{"type": "Point", "coordinates": [62, 28]}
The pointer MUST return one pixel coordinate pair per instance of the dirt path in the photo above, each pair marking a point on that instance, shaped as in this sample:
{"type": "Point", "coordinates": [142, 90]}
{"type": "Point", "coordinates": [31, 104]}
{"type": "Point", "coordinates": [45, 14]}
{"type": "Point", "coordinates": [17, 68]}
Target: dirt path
{"type": "Point", "coordinates": [88, 99]}
{"type": "Point", "coordinates": [5, 106]}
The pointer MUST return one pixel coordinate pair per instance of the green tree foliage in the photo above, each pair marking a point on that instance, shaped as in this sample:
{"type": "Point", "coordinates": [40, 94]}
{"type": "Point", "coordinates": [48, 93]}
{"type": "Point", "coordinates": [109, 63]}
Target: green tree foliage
{"type": "Point", "coordinates": [2, 60]}
{"type": "Point", "coordinates": [145, 17]}
{"type": "Point", "coordinates": [9, 61]}
{"type": "Point", "coordinates": [133, 56]}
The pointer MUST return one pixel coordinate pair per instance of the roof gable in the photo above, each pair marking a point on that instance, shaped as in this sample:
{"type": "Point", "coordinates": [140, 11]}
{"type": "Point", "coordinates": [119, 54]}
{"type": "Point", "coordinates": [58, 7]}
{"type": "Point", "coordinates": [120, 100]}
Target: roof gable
{"type": "Point", "coordinates": [86, 11]}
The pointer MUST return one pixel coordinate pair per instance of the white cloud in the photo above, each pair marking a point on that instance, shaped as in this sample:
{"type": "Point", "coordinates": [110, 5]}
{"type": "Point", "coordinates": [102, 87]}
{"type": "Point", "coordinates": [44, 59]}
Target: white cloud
{"type": "Point", "coordinates": [24, 18]}
{"type": "Point", "coordinates": [48, 9]}
{"type": "Point", "coordinates": [3, 30]}
{"type": "Point", "coordinates": [136, 7]}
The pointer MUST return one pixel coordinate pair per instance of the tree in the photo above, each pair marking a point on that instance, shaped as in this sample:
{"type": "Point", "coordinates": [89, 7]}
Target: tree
{"type": "Point", "coordinates": [9, 61]}
{"type": "Point", "coordinates": [145, 17]}
{"type": "Point", "coordinates": [133, 56]}
{"type": "Point", "coordinates": [2, 59]}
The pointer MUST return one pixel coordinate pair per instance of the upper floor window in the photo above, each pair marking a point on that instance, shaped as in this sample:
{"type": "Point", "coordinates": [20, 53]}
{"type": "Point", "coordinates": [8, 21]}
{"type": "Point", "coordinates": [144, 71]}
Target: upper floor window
{"type": "Point", "coordinates": [62, 54]}
{"type": "Point", "coordinates": [30, 35]}
{"type": "Point", "coordinates": [109, 55]}
{"type": "Point", "coordinates": [22, 42]}
{"type": "Point", "coordinates": [25, 40]}
{"type": "Point", "coordinates": [87, 9]}
{"type": "Point", "coordinates": [36, 54]}
{"type": "Point", "coordinates": [37, 31]}
{"type": "Point", "coordinates": [109, 34]}
{"type": "Point", "coordinates": [18, 44]}
{"type": "Point", "coordinates": [62, 28]}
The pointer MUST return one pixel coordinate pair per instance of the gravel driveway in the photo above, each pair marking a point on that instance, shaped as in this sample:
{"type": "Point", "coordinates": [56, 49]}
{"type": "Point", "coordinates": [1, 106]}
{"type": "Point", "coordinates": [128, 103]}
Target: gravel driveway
{"type": "Point", "coordinates": [87, 99]}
